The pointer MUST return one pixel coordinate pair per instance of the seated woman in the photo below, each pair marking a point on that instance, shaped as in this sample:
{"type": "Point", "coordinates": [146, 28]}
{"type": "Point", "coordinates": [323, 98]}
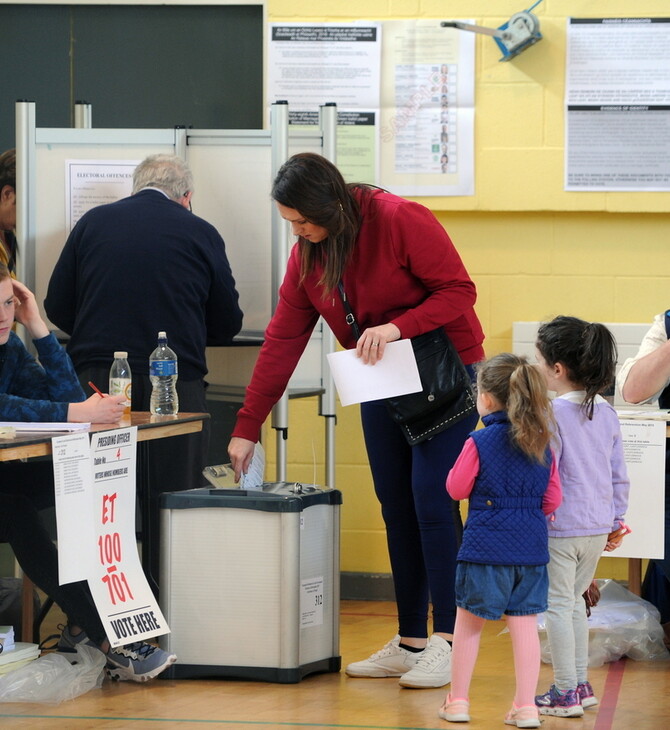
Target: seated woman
{"type": "Point", "coordinates": [48, 390]}
{"type": "Point", "coordinates": [8, 248]}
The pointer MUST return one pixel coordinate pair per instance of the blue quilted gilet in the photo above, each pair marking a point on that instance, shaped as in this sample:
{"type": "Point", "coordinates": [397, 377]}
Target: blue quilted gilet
{"type": "Point", "coordinates": [505, 524]}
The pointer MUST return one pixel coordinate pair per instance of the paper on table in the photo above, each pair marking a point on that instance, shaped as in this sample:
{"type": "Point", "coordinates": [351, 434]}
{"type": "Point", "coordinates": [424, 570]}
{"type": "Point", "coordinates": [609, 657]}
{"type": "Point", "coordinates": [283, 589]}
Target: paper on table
{"type": "Point", "coordinates": [395, 374]}
{"type": "Point", "coordinates": [22, 650]}
{"type": "Point", "coordinates": [645, 414]}
{"type": "Point", "coordinates": [45, 427]}
{"type": "Point", "coordinates": [6, 638]}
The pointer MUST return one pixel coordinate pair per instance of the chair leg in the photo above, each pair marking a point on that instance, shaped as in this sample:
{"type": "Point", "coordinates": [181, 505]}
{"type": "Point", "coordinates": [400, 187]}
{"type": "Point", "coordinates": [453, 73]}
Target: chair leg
{"type": "Point", "coordinates": [37, 623]}
{"type": "Point", "coordinates": [27, 609]}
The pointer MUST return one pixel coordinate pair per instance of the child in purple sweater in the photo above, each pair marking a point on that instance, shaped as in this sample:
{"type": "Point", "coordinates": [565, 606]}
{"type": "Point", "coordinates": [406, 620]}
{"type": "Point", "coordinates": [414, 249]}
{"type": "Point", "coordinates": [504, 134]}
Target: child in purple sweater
{"type": "Point", "coordinates": [578, 360]}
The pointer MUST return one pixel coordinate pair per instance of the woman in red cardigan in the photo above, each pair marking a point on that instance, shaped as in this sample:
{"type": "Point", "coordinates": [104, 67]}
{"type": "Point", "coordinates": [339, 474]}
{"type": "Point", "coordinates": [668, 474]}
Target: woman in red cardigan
{"type": "Point", "coordinates": [402, 277]}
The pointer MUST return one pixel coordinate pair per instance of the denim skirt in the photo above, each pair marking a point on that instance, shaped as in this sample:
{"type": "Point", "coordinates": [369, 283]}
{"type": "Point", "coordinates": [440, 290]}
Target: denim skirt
{"type": "Point", "coordinates": [489, 591]}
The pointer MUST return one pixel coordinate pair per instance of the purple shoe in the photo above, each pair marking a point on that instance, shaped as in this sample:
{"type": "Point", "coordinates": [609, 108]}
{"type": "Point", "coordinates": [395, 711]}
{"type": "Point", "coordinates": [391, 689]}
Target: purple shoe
{"type": "Point", "coordinates": [558, 703]}
{"type": "Point", "coordinates": [585, 692]}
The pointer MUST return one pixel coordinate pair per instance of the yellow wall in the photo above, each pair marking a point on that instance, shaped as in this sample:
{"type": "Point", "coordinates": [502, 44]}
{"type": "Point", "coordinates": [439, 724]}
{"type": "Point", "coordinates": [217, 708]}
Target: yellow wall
{"type": "Point", "coordinates": [533, 250]}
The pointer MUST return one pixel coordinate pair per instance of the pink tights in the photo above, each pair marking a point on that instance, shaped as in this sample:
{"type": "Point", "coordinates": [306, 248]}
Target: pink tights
{"type": "Point", "coordinates": [525, 644]}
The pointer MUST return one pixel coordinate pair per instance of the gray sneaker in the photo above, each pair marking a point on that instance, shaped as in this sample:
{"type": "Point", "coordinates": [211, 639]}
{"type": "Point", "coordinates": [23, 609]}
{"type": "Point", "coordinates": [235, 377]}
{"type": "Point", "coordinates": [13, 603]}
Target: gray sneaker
{"type": "Point", "coordinates": [138, 661]}
{"type": "Point", "coordinates": [391, 661]}
{"type": "Point", "coordinates": [433, 667]}
{"type": "Point", "coordinates": [68, 641]}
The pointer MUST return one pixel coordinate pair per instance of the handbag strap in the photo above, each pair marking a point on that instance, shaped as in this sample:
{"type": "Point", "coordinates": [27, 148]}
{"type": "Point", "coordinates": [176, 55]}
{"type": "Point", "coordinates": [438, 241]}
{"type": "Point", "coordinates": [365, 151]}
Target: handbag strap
{"type": "Point", "coordinates": [350, 318]}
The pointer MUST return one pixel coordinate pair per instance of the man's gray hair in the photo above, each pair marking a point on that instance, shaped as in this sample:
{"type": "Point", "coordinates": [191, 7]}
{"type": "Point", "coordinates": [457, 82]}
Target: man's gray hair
{"type": "Point", "coordinates": [168, 173]}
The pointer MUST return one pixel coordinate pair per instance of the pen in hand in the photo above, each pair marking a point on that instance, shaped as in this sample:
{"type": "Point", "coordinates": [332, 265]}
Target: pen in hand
{"type": "Point", "coordinates": [96, 389]}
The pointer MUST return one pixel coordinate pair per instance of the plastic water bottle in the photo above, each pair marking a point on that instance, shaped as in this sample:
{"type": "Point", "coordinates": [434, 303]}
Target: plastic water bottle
{"type": "Point", "coordinates": [121, 380]}
{"type": "Point", "coordinates": [163, 375]}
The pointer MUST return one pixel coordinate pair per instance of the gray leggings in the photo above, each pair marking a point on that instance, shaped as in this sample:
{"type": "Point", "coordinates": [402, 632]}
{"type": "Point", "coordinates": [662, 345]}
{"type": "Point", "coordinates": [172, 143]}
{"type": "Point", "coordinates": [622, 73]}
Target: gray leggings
{"type": "Point", "coordinates": [572, 565]}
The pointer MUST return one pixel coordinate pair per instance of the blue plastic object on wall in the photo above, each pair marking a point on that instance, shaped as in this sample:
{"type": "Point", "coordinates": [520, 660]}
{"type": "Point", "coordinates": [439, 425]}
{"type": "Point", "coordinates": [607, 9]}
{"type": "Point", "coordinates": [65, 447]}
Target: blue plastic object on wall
{"type": "Point", "coordinates": [521, 31]}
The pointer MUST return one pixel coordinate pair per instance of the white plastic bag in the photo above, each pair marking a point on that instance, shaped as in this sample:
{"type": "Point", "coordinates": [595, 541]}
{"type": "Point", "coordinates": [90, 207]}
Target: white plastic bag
{"type": "Point", "coordinates": [622, 624]}
{"type": "Point", "coordinates": [55, 677]}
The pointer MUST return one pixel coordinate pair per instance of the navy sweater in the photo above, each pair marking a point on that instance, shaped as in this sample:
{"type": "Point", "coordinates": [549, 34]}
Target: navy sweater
{"type": "Point", "coordinates": [137, 266]}
{"type": "Point", "coordinates": [32, 391]}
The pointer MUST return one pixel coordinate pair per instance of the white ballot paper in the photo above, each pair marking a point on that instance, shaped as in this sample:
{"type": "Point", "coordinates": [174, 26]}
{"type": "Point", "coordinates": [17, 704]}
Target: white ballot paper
{"type": "Point", "coordinates": [395, 374]}
{"type": "Point", "coordinates": [253, 479]}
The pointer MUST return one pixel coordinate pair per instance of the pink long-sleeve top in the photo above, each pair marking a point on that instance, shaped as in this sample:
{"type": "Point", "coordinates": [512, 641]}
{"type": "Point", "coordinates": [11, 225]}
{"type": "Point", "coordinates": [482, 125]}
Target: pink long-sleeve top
{"type": "Point", "coordinates": [461, 478]}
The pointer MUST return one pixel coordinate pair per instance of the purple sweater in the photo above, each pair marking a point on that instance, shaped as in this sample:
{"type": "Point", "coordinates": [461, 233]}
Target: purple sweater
{"type": "Point", "coordinates": [591, 466]}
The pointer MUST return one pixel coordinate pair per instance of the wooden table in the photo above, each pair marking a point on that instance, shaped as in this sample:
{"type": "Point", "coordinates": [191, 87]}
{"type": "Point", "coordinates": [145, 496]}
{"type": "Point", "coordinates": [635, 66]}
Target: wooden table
{"type": "Point", "coordinates": [29, 445]}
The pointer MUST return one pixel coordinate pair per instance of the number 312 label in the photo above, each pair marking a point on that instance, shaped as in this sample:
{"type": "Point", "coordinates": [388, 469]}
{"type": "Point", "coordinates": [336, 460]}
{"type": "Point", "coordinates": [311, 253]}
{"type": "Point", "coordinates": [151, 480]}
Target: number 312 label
{"type": "Point", "coordinates": [311, 602]}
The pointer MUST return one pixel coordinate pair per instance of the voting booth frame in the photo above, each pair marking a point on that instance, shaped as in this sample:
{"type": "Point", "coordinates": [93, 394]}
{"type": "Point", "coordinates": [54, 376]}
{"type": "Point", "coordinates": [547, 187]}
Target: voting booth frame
{"type": "Point", "coordinates": [229, 168]}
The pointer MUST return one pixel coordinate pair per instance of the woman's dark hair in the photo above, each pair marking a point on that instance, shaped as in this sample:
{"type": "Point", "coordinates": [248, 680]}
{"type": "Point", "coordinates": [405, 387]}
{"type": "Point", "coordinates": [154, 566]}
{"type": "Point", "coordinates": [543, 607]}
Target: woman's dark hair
{"type": "Point", "coordinates": [312, 185]}
{"type": "Point", "coordinates": [587, 350]}
{"type": "Point", "coordinates": [8, 169]}
{"type": "Point", "coordinates": [521, 390]}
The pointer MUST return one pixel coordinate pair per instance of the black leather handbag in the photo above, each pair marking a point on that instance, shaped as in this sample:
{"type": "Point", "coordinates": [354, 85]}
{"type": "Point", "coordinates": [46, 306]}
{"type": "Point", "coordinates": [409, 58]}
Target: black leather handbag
{"type": "Point", "coordinates": [447, 395]}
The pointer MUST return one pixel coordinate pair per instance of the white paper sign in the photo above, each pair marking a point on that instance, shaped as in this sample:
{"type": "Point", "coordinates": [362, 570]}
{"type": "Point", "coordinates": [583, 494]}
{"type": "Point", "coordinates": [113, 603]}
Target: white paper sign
{"type": "Point", "coordinates": [89, 183]}
{"type": "Point", "coordinates": [644, 451]}
{"type": "Point", "coordinates": [95, 512]}
{"type": "Point", "coordinates": [74, 499]}
{"type": "Point", "coordinates": [617, 104]}
{"type": "Point", "coordinates": [311, 63]}
{"type": "Point", "coordinates": [126, 604]}
{"type": "Point", "coordinates": [428, 108]}
{"type": "Point", "coordinates": [395, 374]}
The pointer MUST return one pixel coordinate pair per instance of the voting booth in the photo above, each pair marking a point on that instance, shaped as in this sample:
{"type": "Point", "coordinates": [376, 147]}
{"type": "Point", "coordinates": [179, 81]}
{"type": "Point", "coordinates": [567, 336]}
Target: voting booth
{"type": "Point", "coordinates": [233, 172]}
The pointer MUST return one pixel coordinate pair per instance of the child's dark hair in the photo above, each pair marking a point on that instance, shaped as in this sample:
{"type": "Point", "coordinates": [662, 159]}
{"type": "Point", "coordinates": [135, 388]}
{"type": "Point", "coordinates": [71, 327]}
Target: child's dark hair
{"type": "Point", "coordinates": [522, 391]}
{"type": "Point", "coordinates": [587, 350]}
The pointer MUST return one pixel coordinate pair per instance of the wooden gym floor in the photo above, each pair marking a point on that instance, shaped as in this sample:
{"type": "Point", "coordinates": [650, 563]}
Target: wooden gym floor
{"type": "Point", "coordinates": [633, 695]}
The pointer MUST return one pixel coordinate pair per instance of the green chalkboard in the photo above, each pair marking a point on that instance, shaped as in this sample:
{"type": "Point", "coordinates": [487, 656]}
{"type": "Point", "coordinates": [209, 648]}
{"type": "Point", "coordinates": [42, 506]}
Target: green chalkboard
{"type": "Point", "coordinates": [139, 66]}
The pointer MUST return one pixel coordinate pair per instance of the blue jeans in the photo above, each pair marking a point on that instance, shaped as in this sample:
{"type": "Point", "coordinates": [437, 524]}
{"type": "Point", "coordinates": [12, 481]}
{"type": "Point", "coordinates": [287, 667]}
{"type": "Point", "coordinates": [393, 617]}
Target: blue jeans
{"type": "Point", "coordinates": [422, 521]}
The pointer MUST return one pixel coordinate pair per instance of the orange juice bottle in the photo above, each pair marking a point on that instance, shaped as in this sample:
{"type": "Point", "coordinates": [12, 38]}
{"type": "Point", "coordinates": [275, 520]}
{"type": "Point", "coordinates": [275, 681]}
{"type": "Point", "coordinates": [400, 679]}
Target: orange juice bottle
{"type": "Point", "coordinates": [120, 380]}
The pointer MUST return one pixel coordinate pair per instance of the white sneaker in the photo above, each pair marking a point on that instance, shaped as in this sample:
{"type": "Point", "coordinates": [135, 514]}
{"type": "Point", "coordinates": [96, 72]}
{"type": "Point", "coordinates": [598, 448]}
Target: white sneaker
{"type": "Point", "coordinates": [391, 661]}
{"type": "Point", "coordinates": [433, 666]}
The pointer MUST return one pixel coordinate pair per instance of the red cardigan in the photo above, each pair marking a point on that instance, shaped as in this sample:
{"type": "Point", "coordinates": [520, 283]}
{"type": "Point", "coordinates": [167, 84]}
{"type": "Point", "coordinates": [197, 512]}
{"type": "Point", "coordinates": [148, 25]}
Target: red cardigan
{"type": "Point", "coordinates": [404, 270]}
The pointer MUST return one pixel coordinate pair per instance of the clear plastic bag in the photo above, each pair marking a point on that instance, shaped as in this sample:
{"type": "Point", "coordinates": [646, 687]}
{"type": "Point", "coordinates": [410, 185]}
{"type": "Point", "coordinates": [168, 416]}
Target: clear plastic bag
{"type": "Point", "coordinates": [622, 624]}
{"type": "Point", "coordinates": [54, 677]}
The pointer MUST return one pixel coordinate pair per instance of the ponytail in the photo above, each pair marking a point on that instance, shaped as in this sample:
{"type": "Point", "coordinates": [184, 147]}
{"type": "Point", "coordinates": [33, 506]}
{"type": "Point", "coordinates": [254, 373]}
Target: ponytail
{"type": "Point", "coordinates": [521, 389]}
{"type": "Point", "coordinates": [587, 350]}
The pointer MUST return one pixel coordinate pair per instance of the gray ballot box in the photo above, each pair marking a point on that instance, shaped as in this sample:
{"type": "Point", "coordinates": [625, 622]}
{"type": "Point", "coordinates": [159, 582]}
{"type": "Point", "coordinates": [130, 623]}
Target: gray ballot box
{"type": "Point", "coordinates": [249, 581]}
